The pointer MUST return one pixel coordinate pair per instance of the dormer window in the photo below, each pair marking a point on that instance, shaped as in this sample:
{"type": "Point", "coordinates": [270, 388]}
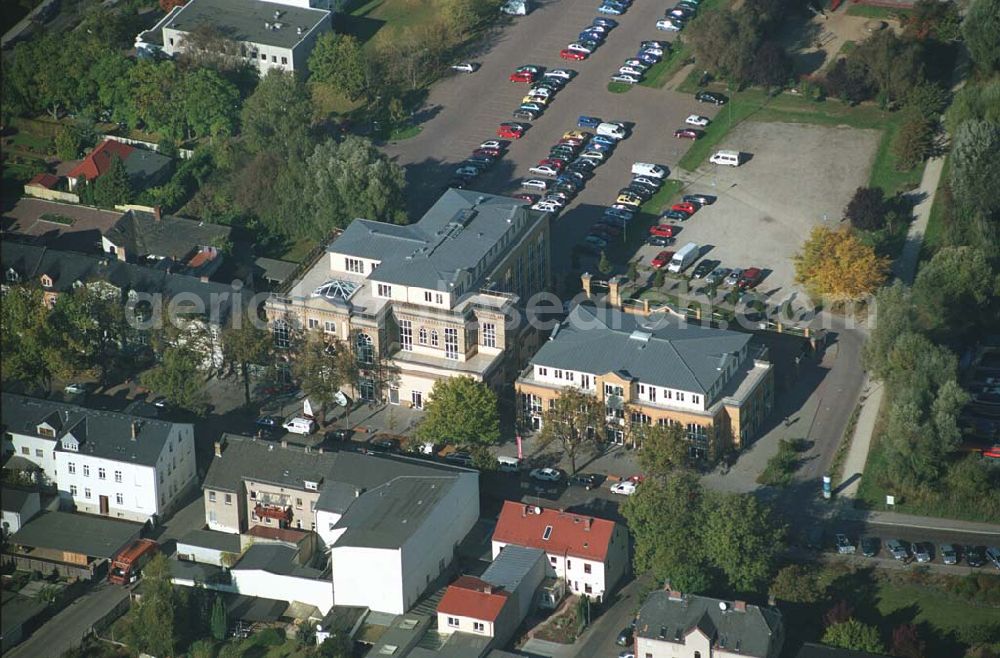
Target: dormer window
{"type": "Point", "coordinates": [70, 444]}
{"type": "Point", "coordinates": [12, 275]}
{"type": "Point", "coordinates": [46, 281]}
{"type": "Point", "coordinates": [312, 486]}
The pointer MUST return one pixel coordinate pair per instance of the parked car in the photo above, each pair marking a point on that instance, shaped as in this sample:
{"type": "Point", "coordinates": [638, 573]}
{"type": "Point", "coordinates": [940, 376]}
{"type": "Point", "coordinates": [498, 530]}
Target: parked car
{"type": "Point", "coordinates": [704, 268]}
{"type": "Point", "coordinates": [523, 76]}
{"type": "Point", "coordinates": [711, 97]}
{"type": "Point", "coordinates": [544, 170]}
{"type": "Point", "coordinates": [897, 549]}
{"type": "Point", "coordinates": [734, 277]}
{"type": "Point", "coordinates": [701, 199]}
{"type": "Point", "coordinates": [844, 545]}
{"type": "Point", "coordinates": [675, 215]}
{"type": "Point", "coordinates": [625, 637]}
{"type": "Point", "coordinates": [383, 444]}
{"type": "Point", "coordinates": [585, 480]}
{"type": "Point", "coordinates": [561, 74]}
{"type": "Point", "coordinates": [688, 133]}
{"type": "Point", "coordinates": [717, 276]}
{"type": "Point", "coordinates": [626, 78]}
{"type": "Point", "coordinates": [975, 556]}
{"type": "Point", "coordinates": [75, 389]}
{"type": "Point", "coordinates": [338, 435]}
{"type": "Point", "coordinates": [609, 23]}
{"type": "Point", "coordinates": [588, 122]}
{"type": "Point", "coordinates": [625, 488]}
{"type": "Point", "coordinates": [465, 67]}
{"type": "Point", "coordinates": [493, 144]}
{"type": "Point", "coordinates": [684, 207]}
{"type": "Point", "coordinates": [510, 131]}
{"type": "Point", "coordinates": [697, 120]}
{"type": "Point", "coordinates": [535, 184]}
{"type": "Point", "coordinates": [658, 241]}
{"type": "Point", "coordinates": [300, 425]}
{"type": "Point", "coordinates": [596, 241]}
{"type": "Point", "coordinates": [661, 259]}
{"type": "Point", "coordinates": [993, 555]}
{"type": "Point", "coordinates": [750, 278]}
{"type": "Point", "coordinates": [459, 458]}
{"type": "Point", "coordinates": [268, 423]}
{"type": "Point", "coordinates": [922, 551]}
{"type": "Point", "coordinates": [669, 25]}
{"type": "Point", "coordinates": [545, 474]}
{"type": "Point", "coordinates": [663, 230]}
{"type": "Point", "coordinates": [869, 546]}
{"type": "Point", "coordinates": [611, 10]}
{"type": "Point", "coordinates": [948, 554]}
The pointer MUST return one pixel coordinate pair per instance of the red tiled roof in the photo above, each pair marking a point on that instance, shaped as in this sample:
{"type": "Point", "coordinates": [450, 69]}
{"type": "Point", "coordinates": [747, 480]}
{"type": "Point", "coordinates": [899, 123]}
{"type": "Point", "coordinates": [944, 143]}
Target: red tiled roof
{"type": "Point", "coordinates": [576, 535]}
{"type": "Point", "coordinates": [48, 181]}
{"type": "Point", "coordinates": [471, 597]}
{"type": "Point", "coordinates": [99, 160]}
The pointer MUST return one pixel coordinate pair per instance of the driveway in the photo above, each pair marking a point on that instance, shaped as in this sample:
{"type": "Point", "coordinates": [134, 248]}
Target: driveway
{"type": "Point", "coordinates": [467, 108]}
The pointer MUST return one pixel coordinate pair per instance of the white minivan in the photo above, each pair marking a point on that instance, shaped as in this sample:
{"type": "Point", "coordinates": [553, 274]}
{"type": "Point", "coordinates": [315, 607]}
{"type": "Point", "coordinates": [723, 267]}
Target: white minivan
{"type": "Point", "coordinates": [730, 158]}
{"type": "Point", "coordinates": [649, 169]}
{"type": "Point", "coordinates": [683, 258]}
{"type": "Point", "coordinates": [300, 425]}
{"type": "Point", "coordinates": [615, 130]}
{"type": "Point", "coordinates": [508, 464]}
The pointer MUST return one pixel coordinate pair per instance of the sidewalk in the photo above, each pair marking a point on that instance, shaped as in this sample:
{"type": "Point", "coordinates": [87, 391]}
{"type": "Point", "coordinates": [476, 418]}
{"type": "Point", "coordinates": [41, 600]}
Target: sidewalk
{"type": "Point", "coordinates": [857, 455]}
{"type": "Point", "coordinates": [905, 267]}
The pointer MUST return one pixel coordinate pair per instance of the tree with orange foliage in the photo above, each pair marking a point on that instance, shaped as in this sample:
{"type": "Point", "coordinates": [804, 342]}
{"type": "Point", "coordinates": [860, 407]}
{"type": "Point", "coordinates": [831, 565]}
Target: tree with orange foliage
{"type": "Point", "coordinates": [835, 265]}
{"type": "Point", "coordinates": [167, 5]}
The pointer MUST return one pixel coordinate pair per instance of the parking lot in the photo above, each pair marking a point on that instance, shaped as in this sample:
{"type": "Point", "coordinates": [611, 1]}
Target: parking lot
{"type": "Point", "coordinates": [799, 176]}
{"type": "Point", "coordinates": [467, 108]}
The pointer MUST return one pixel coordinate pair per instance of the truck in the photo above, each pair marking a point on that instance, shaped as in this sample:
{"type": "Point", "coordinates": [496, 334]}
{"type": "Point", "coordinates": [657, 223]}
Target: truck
{"type": "Point", "coordinates": [684, 257]}
{"type": "Point", "coordinates": [128, 562]}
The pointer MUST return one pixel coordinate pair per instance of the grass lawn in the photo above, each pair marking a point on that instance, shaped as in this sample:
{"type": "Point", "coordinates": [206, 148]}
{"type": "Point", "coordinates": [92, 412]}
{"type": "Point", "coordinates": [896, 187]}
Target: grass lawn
{"type": "Point", "coordinates": [619, 87]}
{"type": "Point", "coordinates": [944, 613]}
{"type": "Point", "coordinates": [30, 142]}
{"type": "Point", "coordinates": [297, 250]}
{"type": "Point", "coordinates": [661, 73]}
{"type": "Point", "coordinates": [935, 223]}
{"type": "Point", "coordinates": [366, 19]}
{"type": "Point", "coordinates": [757, 105]}
{"type": "Point", "coordinates": [406, 132]}
{"type": "Point", "coordinates": [884, 13]}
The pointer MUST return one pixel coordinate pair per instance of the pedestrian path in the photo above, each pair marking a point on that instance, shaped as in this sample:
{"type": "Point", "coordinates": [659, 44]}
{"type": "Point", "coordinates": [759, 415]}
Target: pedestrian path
{"type": "Point", "coordinates": [905, 267]}
{"type": "Point", "coordinates": [857, 455]}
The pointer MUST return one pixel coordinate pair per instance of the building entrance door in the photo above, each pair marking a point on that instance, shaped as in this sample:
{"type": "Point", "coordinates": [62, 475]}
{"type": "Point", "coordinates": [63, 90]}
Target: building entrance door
{"type": "Point", "coordinates": [104, 505]}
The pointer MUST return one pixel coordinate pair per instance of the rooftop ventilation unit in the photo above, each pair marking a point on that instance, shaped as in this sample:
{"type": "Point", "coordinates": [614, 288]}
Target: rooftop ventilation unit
{"type": "Point", "coordinates": [641, 336]}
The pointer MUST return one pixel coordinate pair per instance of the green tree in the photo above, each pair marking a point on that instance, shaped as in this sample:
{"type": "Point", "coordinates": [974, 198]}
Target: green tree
{"type": "Point", "coordinates": [154, 89]}
{"type": "Point", "coordinates": [316, 370]}
{"type": "Point", "coordinates": [243, 345]}
{"type": "Point", "coordinates": [151, 623]}
{"type": "Point", "coordinates": [796, 583]}
{"type": "Point", "coordinates": [980, 102]}
{"type": "Point", "coordinates": [854, 635]}
{"type": "Point", "coordinates": [178, 376]}
{"type": "Point", "coordinates": [110, 75]}
{"type": "Point", "coordinates": [113, 187]}
{"type": "Point", "coordinates": [956, 293]}
{"type": "Point", "coordinates": [662, 449]}
{"type": "Point", "coordinates": [741, 538]}
{"type": "Point", "coordinates": [209, 103]}
{"type": "Point", "coordinates": [975, 169]}
{"type": "Point", "coordinates": [981, 27]}
{"type": "Point", "coordinates": [928, 99]}
{"type": "Point", "coordinates": [461, 411]}
{"type": "Point", "coordinates": [347, 72]}
{"type": "Point", "coordinates": [220, 620]}
{"type": "Point", "coordinates": [69, 142]}
{"type": "Point", "coordinates": [664, 517]}
{"type": "Point", "coordinates": [573, 422]}
{"type": "Point", "coordinates": [25, 338]}
{"type": "Point", "coordinates": [867, 208]}
{"type": "Point", "coordinates": [914, 141]}
{"type": "Point", "coordinates": [89, 329]}
{"type": "Point", "coordinates": [277, 116]}
{"type": "Point", "coordinates": [323, 61]}
{"type": "Point", "coordinates": [604, 265]}
{"type": "Point", "coordinates": [892, 316]}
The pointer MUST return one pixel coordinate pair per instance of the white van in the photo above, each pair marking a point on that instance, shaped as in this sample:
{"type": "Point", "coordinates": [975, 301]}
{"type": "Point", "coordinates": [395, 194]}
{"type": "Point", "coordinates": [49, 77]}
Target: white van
{"type": "Point", "coordinates": [508, 464]}
{"type": "Point", "coordinates": [683, 258]}
{"type": "Point", "coordinates": [731, 158]}
{"type": "Point", "coordinates": [615, 130]}
{"type": "Point", "coordinates": [300, 425]}
{"type": "Point", "coordinates": [649, 169]}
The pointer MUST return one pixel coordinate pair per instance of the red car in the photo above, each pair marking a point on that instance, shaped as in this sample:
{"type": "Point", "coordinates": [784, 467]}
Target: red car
{"type": "Point", "coordinates": [685, 207]}
{"type": "Point", "coordinates": [662, 231]}
{"type": "Point", "coordinates": [527, 198]}
{"type": "Point", "coordinates": [688, 133]}
{"type": "Point", "coordinates": [992, 452]}
{"type": "Point", "coordinates": [553, 162]}
{"type": "Point", "coordinates": [510, 131]}
{"type": "Point", "coordinates": [750, 278]}
{"type": "Point", "coordinates": [575, 55]}
{"type": "Point", "coordinates": [661, 259]}
{"type": "Point", "coordinates": [522, 76]}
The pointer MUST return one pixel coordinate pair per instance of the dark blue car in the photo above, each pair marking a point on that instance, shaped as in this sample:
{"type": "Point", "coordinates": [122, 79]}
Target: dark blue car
{"type": "Point", "coordinates": [588, 122]}
{"type": "Point", "coordinates": [609, 23]}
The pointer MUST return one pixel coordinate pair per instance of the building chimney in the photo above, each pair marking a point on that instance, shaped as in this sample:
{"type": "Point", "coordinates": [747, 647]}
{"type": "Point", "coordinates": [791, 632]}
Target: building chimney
{"type": "Point", "coordinates": [135, 430]}
{"type": "Point", "coordinates": [284, 443]}
{"type": "Point", "coordinates": [740, 606]}
{"type": "Point", "coordinates": [203, 279]}
{"type": "Point", "coordinates": [675, 595]}
{"type": "Point", "coordinates": [771, 601]}
{"type": "Point", "coordinates": [157, 213]}
{"type": "Point", "coordinates": [218, 448]}
{"type": "Point", "coordinates": [320, 449]}
{"type": "Point", "coordinates": [587, 523]}
{"type": "Point", "coordinates": [585, 279]}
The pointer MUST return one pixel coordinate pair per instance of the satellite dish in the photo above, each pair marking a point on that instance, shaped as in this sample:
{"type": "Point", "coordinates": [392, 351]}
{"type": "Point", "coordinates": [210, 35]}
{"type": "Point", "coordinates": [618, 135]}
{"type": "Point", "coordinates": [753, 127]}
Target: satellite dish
{"type": "Point", "coordinates": [538, 510]}
{"type": "Point", "coordinates": [723, 606]}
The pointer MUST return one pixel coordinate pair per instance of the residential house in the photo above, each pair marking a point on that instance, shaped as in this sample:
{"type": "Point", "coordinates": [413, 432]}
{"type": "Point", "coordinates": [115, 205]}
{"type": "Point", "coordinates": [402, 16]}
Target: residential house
{"type": "Point", "coordinates": [145, 168]}
{"type": "Point", "coordinates": [278, 571]}
{"type": "Point", "coordinates": [495, 603]}
{"type": "Point", "coordinates": [208, 547]}
{"type": "Point", "coordinates": [675, 625]}
{"type": "Point", "coordinates": [65, 226]}
{"type": "Point", "coordinates": [717, 384]}
{"type": "Point", "coordinates": [19, 506]}
{"type": "Point", "coordinates": [173, 244]}
{"type": "Point", "coordinates": [590, 554]}
{"type": "Point", "coordinates": [390, 524]}
{"type": "Point", "coordinates": [75, 545]}
{"type": "Point", "coordinates": [431, 299]}
{"type": "Point", "coordinates": [267, 35]}
{"type": "Point", "coordinates": [103, 462]}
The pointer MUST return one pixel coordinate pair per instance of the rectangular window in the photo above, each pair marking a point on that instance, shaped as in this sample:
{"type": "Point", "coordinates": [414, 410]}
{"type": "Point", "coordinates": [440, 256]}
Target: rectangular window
{"type": "Point", "coordinates": [102, 474]}
{"type": "Point", "coordinates": [284, 60]}
{"type": "Point", "coordinates": [384, 290]}
{"type": "Point", "coordinates": [86, 471]}
{"type": "Point", "coordinates": [535, 404]}
{"type": "Point", "coordinates": [354, 265]}
{"type": "Point", "coordinates": [587, 588]}
{"type": "Point", "coordinates": [263, 56]}
{"type": "Point", "coordinates": [585, 381]}
{"type": "Point", "coordinates": [451, 343]}
{"type": "Point", "coordinates": [428, 295]}
{"type": "Point", "coordinates": [547, 533]}
{"type": "Point", "coordinates": [558, 374]}
{"type": "Point", "coordinates": [229, 499]}
{"type": "Point", "coordinates": [478, 626]}
{"type": "Point", "coordinates": [298, 503]}
{"type": "Point", "coordinates": [313, 323]}
{"type": "Point", "coordinates": [680, 397]}
{"type": "Point", "coordinates": [569, 563]}
{"type": "Point", "coordinates": [642, 389]}
{"type": "Point", "coordinates": [25, 450]}
{"type": "Point", "coordinates": [652, 394]}
{"type": "Point", "coordinates": [406, 335]}
{"type": "Point", "coordinates": [274, 59]}
{"type": "Point", "coordinates": [329, 327]}
{"type": "Point", "coordinates": [543, 372]}
{"type": "Point", "coordinates": [611, 389]}
{"type": "Point", "coordinates": [453, 622]}
{"type": "Point", "coordinates": [696, 399]}
{"type": "Point", "coordinates": [118, 476]}
{"type": "Point", "coordinates": [438, 298]}
{"type": "Point", "coordinates": [86, 493]}
{"type": "Point", "coordinates": [72, 468]}
{"type": "Point", "coordinates": [211, 496]}
{"type": "Point", "coordinates": [72, 490]}
{"type": "Point", "coordinates": [39, 452]}
{"type": "Point", "coordinates": [489, 334]}
{"type": "Point", "coordinates": [586, 568]}
{"type": "Point", "coordinates": [119, 499]}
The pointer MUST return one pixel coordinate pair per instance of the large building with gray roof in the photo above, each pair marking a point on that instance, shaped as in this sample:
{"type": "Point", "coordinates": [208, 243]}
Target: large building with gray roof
{"type": "Point", "coordinates": [106, 463]}
{"type": "Point", "coordinates": [432, 298]}
{"type": "Point", "coordinates": [675, 625]}
{"type": "Point", "coordinates": [267, 35]}
{"type": "Point", "coordinates": [716, 383]}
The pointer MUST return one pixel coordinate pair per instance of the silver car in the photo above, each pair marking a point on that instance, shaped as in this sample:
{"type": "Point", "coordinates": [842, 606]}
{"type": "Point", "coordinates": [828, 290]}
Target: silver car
{"type": "Point", "coordinates": [897, 549]}
{"type": "Point", "coordinates": [844, 545]}
{"type": "Point", "coordinates": [948, 554]}
{"type": "Point", "coordinates": [922, 551]}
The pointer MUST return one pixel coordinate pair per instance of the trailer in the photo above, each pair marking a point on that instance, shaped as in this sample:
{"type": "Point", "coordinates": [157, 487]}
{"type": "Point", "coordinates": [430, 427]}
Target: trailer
{"type": "Point", "coordinates": [128, 563]}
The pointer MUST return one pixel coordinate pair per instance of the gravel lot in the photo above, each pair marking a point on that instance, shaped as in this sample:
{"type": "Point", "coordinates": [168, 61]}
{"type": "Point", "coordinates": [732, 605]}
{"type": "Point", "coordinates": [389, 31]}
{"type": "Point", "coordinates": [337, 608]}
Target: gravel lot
{"type": "Point", "coordinates": [798, 176]}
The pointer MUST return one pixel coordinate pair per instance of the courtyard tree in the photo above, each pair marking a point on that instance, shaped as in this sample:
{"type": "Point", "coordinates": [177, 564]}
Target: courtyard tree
{"type": "Point", "coordinates": [316, 370]}
{"type": "Point", "coordinates": [243, 345]}
{"type": "Point", "coordinates": [89, 330]}
{"type": "Point", "coordinates": [573, 422]}
{"type": "Point", "coordinates": [906, 642]}
{"type": "Point", "coordinates": [25, 340]}
{"type": "Point", "coordinates": [796, 583]}
{"type": "Point", "coordinates": [741, 538]}
{"type": "Point", "coordinates": [220, 622]}
{"type": "Point", "coordinates": [662, 449]}
{"type": "Point", "coordinates": [178, 375]}
{"type": "Point", "coordinates": [834, 264]}
{"type": "Point", "coordinates": [854, 635]}
{"type": "Point", "coordinates": [461, 411]}
{"type": "Point", "coordinates": [209, 103]}
{"type": "Point", "coordinates": [113, 188]}
{"type": "Point", "coordinates": [151, 624]}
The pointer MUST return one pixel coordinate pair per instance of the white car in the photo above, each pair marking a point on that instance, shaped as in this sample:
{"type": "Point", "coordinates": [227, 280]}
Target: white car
{"type": "Point", "coordinates": [637, 64]}
{"type": "Point", "coordinates": [625, 488]}
{"type": "Point", "coordinates": [300, 425]}
{"type": "Point", "coordinates": [668, 26]}
{"type": "Point", "coordinates": [542, 206]}
{"type": "Point", "coordinates": [651, 50]}
{"type": "Point", "coordinates": [630, 70]}
{"type": "Point", "coordinates": [540, 91]}
{"type": "Point", "coordinates": [644, 180]}
{"type": "Point", "coordinates": [555, 201]}
{"type": "Point", "coordinates": [465, 67]}
{"type": "Point", "coordinates": [580, 48]}
{"type": "Point", "coordinates": [697, 120]}
{"type": "Point", "coordinates": [624, 77]}
{"type": "Point", "coordinates": [592, 155]}
{"type": "Point", "coordinates": [544, 170]}
{"type": "Point", "coordinates": [75, 389]}
{"type": "Point", "coordinates": [535, 184]}
{"type": "Point", "coordinates": [562, 74]}
{"type": "Point", "coordinates": [491, 144]}
{"type": "Point", "coordinates": [545, 474]}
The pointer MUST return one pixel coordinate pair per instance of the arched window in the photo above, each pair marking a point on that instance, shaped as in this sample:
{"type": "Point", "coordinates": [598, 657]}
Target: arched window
{"type": "Point", "coordinates": [422, 336]}
{"type": "Point", "coordinates": [434, 338]}
{"type": "Point", "coordinates": [365, 350]}
{"type": "Point", "coordinates": [697, 654]}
